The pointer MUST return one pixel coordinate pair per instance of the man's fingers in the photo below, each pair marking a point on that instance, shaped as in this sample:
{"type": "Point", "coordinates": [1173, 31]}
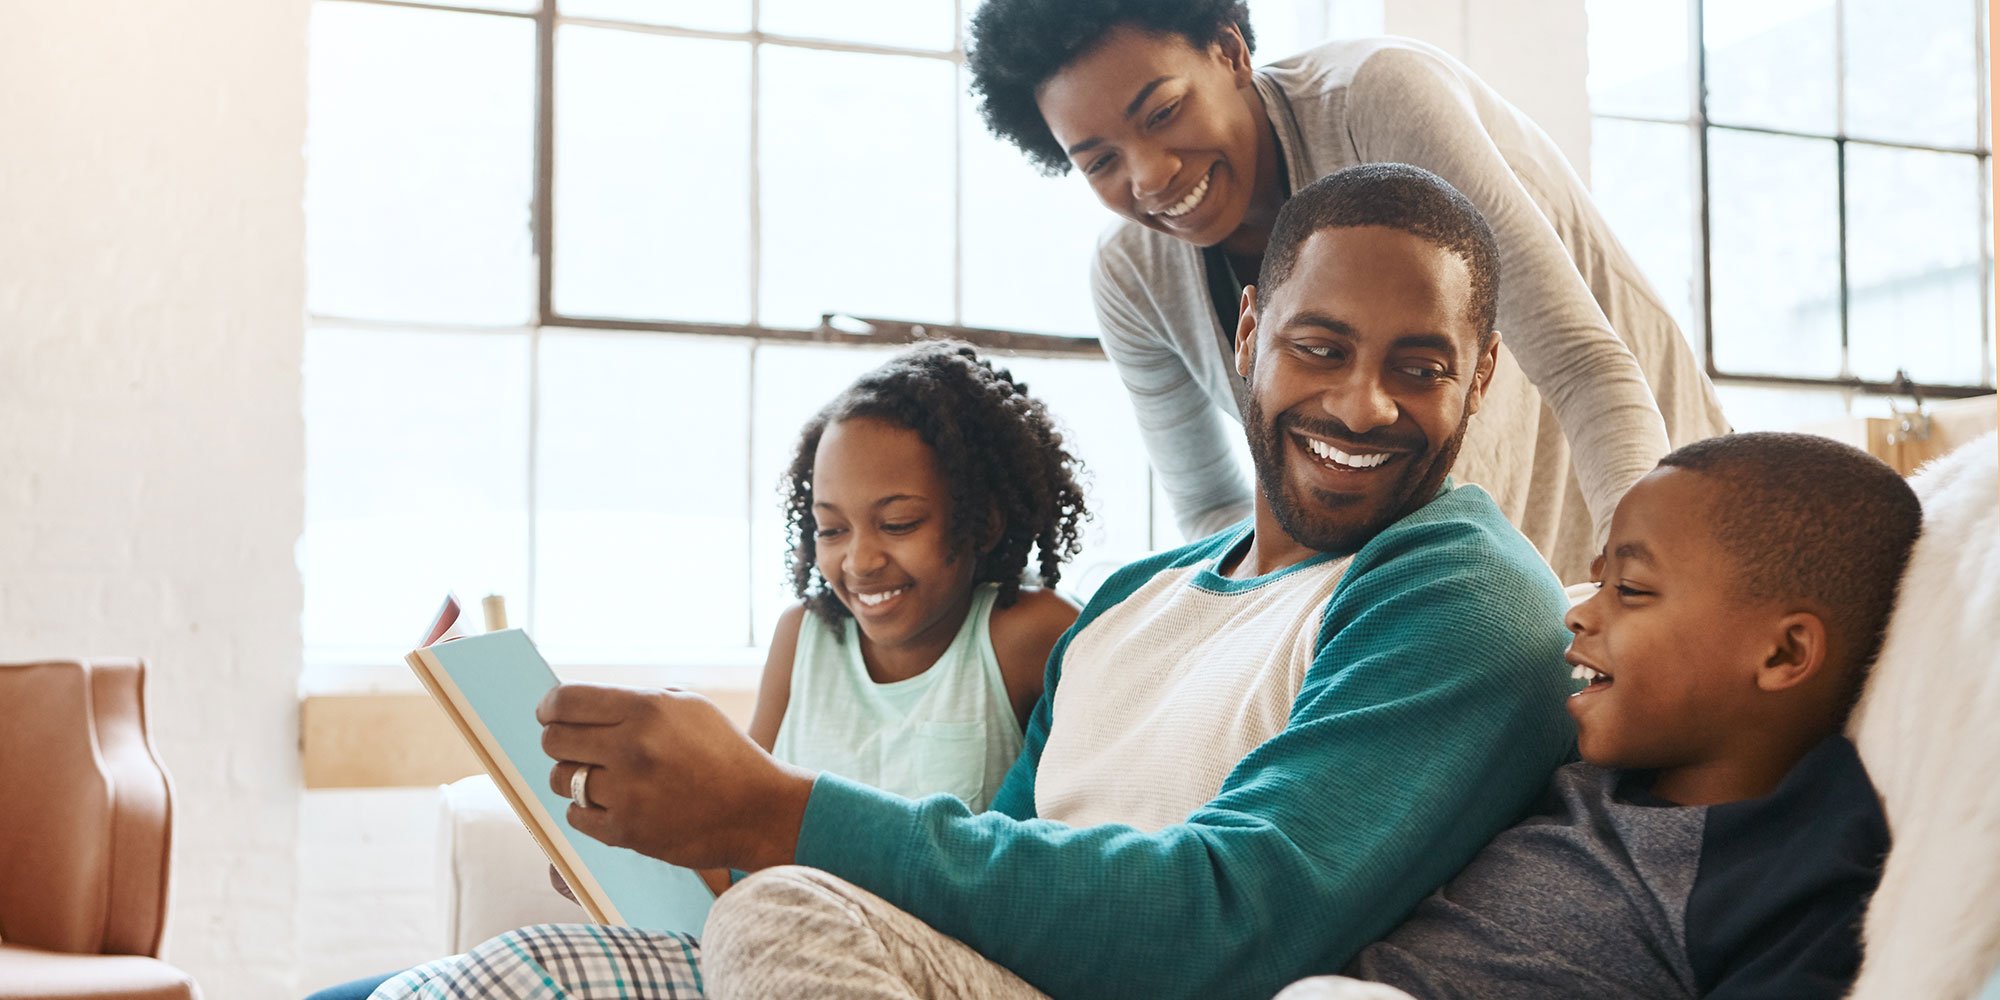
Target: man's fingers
{"type": "Point", "coordinates": [588, 704]}
{"type": "Point", "coordinates": [594, 823]}
{"type": "Point", "coordinates": [585, 744]}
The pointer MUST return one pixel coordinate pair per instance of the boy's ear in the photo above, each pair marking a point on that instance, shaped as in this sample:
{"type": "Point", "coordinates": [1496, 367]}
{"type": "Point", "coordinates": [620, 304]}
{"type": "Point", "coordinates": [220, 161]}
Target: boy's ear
{"type": "Point", "coordinates": [1246, 332]}
{"type": "Point", "coordinates": [1798, 653]}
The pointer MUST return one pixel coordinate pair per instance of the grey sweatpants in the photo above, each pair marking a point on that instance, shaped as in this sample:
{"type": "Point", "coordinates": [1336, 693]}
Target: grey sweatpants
{"type": "Point", "coordinates": [799, 932]}
{"type": "Point", "coordinates": [787, 932]}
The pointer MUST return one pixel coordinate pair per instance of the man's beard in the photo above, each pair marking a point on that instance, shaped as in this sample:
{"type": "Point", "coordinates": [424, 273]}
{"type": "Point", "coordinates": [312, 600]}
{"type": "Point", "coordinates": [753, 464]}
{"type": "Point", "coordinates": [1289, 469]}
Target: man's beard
{"type": "Point", "coordinates": [1343, 523]}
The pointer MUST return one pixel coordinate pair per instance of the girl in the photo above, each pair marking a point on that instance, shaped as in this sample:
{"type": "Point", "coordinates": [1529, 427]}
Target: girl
{"type": "Point", "coordinates": [915, 654]}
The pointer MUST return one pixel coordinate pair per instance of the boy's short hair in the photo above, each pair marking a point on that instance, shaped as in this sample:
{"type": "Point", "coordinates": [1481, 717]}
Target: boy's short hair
{"type": "Point", "coordinates": [1806, 517]}
{"type": "Point", "coordinates": [1395, 196]}
{"type": "Point", "coordinates": [1015, 46]}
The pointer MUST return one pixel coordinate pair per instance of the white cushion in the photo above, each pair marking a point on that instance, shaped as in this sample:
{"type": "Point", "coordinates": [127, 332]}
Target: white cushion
{"type": "Point", "coordinates": [1928, 728]}
{"type": "Point", "coordinates": [495, 875]}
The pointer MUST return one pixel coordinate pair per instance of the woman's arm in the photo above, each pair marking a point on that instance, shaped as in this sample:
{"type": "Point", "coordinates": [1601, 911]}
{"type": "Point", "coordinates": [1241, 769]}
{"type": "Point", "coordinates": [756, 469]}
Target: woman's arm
{"type": "Point", "coordinates": [1190, 442]}
{"type": "Point", "coordinates": [1023, 635]}
{"type": "Point", "coordinates": [1407, 105]}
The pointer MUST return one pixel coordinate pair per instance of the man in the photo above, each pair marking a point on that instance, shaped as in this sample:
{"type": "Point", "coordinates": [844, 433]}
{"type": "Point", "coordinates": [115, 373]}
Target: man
{"type": "Point", "coordinates": [1255, 753]}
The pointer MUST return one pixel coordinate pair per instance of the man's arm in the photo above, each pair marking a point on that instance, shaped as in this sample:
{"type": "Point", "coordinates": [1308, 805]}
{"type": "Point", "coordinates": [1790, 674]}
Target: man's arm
{"type": "Point", "coordinates": [1429, 720]}
{"type": "Point", "coordinates": [1188, 440]}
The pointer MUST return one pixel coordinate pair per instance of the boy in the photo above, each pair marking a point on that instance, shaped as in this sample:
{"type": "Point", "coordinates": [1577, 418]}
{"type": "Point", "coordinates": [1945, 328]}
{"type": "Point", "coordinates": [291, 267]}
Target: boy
{"type": "Point", "coordinates": [1721, 837]}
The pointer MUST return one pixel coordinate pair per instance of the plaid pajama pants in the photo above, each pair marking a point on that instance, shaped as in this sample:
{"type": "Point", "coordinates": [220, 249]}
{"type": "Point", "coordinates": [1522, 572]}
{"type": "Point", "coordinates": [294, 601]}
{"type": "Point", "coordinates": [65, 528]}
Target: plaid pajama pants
{"type": "Point", "coordinates": [560, 962]}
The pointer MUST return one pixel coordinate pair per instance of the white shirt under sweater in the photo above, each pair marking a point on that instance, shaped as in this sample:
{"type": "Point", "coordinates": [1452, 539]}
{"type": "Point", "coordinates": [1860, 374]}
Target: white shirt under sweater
{"type": "Point", "coordinates": [1566, 286]}
{"type": "Point", "coordinates": [1189, 652]}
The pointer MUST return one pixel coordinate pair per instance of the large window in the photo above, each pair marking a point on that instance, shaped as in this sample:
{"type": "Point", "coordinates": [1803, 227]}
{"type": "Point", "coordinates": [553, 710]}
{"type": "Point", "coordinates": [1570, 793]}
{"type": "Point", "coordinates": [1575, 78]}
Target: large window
{"type": "Point", "coordinates": [568, 267]}
{"type": "Point", "coordinates": [1804, 182]}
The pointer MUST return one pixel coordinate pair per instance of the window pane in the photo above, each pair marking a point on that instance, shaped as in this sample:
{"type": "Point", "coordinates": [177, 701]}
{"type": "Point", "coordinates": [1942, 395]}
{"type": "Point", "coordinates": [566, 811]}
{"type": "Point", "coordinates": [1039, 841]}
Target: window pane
{"type": "Point", "coordinates": [1642, 179]}
{"type": "Point", "coordinates": [1774, 258]}
{"type": "Point", "coordinates": [416, 482]}
{"type": "Point", "coordinates": [856, 162]}
{"type": "Point", "coordinates": [641, 535]}
{"type": "Point", "coordinates": [1286, 27]}
{"type": "Point", "coordinates": [793, 382]}
{"type": "Point", "coordinates": [652, 196]}
{"type": "Point", "coordinates": [1915, 268]}
{"type": "Point", "coordinates": [1911, 71]}
{"type": "Point", "coordinates": [1771, 64]}
{"type": "Point", "coordinates": [1093, 412]}
{"type": "Point", "coordinates": [420, 154]}
{"type": "Point", "coordinates": [916, 24]}
{"type": "Point", "coordinates": [1639, 58]}
{"type": "Point", "coordinates": [1029, 240]}
{"type": "Point", "coordinates": [707, 15]}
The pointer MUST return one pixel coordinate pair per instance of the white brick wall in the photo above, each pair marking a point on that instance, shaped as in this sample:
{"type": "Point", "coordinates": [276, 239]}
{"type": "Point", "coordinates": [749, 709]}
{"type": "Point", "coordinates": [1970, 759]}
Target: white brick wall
{"type": "Point", "coordinates": [151, 451]}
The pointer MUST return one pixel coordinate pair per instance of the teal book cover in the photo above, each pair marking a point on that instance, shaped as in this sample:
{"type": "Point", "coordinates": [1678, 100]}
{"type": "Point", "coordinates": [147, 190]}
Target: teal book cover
{"type": "Point", "coordinates": [492, 683]}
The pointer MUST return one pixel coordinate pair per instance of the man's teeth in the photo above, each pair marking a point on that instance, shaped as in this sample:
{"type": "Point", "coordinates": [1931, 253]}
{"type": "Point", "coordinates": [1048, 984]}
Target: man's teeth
{"type": "Point", "coordinates": [1332, 454]}
{"type": "Point", "coordinates": [1187, 204]}
{"type": "Point", "coordinates": [871, 600]}
{"type": "Point", "coordinates": [1587, 675]}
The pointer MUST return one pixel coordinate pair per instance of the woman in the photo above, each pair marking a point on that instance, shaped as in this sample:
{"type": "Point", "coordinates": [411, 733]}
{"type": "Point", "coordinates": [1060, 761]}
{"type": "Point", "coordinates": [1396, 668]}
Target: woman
{"type": "Point", "coordinates": [1156, 104]}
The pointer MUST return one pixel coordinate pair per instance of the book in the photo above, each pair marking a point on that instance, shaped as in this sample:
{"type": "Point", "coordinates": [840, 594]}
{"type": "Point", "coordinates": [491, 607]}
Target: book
{"type": "Point", "coordinates": [489, 685]}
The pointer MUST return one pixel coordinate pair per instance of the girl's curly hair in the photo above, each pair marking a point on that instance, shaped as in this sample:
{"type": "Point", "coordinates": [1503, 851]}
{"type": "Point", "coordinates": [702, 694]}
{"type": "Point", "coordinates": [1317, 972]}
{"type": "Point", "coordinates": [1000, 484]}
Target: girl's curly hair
{"type": "Point", "coordinates": [996, 449]}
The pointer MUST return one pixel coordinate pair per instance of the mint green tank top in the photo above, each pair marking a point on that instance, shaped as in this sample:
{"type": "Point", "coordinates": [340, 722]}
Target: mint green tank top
{"type": "Point", "coordinates": [948, 729]}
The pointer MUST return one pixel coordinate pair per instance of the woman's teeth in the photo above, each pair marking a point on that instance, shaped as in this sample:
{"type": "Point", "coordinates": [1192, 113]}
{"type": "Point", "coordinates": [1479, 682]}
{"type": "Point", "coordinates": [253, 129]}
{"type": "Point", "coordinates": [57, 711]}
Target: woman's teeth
{"type": "Point", "coordinates": [1588, 675]}
{"type": "Point", "coordinates": [1338, 457]}
{"type": "Point", "coordinates": [1194, 197]}
{"type": "Point", "coordinates": [871, 600]}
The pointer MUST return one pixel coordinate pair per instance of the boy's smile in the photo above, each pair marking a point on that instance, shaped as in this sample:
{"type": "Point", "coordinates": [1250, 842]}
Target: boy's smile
{"type": "Point", "coordinates": [1667, 646]}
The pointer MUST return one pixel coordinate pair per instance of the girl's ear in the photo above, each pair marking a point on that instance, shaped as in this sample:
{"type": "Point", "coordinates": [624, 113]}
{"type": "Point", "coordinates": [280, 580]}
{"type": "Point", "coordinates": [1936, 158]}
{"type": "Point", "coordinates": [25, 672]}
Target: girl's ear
{"type": "Point", "coordinates": [995, 526]}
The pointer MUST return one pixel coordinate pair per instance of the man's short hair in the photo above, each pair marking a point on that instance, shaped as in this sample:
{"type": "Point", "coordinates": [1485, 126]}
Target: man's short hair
{"type": "Point", "coordinates": [1809, 518]}
{"type": "Point", "coordinates": [1015, 46]}
{"type": "Point", "coordinates": [1397, 196]}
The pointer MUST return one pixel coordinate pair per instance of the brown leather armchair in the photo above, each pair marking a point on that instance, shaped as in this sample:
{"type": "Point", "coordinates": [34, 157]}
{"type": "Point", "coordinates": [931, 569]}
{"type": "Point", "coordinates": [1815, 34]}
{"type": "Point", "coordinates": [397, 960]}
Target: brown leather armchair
{"type": "Point", "coordinates": [85, 820]}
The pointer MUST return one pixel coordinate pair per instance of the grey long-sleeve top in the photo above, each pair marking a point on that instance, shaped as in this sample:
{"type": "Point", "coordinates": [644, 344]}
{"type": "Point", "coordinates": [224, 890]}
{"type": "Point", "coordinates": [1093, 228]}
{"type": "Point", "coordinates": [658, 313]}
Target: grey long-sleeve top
{"type": "Point", "coordinates": [1580, 327]}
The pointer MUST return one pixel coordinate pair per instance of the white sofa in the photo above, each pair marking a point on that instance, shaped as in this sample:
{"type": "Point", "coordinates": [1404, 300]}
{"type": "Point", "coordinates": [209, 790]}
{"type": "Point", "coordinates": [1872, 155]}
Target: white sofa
{"type": "Point", "coordinates": [495, 877]}
{"type": "Point", "coordinates": [1928, 728]}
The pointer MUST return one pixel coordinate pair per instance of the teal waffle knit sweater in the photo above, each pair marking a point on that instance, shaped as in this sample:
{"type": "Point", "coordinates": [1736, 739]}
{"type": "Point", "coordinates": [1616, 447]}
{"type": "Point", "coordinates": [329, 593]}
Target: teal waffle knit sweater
{"type": "Point", "coordinates": [1430, 717]}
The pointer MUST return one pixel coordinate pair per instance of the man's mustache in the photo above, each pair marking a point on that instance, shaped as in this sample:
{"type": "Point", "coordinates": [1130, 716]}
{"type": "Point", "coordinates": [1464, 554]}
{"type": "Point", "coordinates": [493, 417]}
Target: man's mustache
{"type": "Point", "coordinates": [1381, 438]}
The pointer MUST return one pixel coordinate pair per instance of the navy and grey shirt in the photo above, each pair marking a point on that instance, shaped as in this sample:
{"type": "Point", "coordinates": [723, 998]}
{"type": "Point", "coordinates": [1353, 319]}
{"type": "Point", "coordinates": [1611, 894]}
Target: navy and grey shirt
{"type": "Point", "coordinates": [1607, 892]}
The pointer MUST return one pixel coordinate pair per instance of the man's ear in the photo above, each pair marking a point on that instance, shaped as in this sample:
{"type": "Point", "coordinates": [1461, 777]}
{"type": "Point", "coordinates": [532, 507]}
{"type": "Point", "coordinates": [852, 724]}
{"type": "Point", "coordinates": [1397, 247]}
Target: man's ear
{"type": "Point", "coordinates": [1246, 332]}
{"type": "Point", "coordinates": [1482, 374]}
{"type": "Point", "coordinates": [1236, 52]}
{"type": "Point", "coordinates": [1798, 652]}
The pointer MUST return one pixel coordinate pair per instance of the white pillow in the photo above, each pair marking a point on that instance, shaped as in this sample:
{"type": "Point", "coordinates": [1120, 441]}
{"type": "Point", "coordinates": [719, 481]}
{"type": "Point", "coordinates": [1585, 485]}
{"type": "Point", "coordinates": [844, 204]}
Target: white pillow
{"type": "Point", "coordinates": [1928, 728]}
